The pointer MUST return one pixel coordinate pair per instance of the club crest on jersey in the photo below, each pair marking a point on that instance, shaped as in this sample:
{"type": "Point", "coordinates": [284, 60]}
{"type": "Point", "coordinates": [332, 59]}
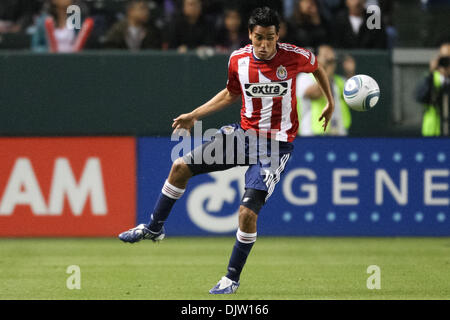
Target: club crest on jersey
{"type": "Point", "coordinates": [281, 73]}
{"type": "Point", "coordinates": [266, 90]}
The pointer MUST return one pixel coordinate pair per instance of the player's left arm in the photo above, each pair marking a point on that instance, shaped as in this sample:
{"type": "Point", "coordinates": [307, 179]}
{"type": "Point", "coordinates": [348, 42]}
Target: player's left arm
{"type": "Point", "coordinates": [324, 84]}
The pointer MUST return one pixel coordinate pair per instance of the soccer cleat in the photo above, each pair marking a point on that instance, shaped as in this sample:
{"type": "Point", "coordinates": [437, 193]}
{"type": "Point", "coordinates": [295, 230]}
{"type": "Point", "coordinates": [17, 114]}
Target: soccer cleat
{"type": "Point", "coordinates": [141, 232]}
{"type": "Point", "coordinates": [225, 286]}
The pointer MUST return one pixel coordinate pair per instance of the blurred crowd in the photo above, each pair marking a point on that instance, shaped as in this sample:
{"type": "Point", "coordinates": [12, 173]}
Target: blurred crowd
{"type": "Point", "coordinates": [220, 26]}
{"type": "Point", "coordinates": [183, 25]}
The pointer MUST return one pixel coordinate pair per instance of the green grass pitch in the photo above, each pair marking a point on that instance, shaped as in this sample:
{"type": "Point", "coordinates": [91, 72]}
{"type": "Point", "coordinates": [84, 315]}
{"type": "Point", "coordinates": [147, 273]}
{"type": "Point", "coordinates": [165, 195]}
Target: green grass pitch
{"type": "Point", "coordinates": [186, 268]}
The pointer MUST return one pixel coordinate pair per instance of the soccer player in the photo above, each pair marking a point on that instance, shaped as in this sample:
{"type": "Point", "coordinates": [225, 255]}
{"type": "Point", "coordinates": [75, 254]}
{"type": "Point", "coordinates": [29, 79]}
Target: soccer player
{"type": "Point", "coordinates": [263, 74]}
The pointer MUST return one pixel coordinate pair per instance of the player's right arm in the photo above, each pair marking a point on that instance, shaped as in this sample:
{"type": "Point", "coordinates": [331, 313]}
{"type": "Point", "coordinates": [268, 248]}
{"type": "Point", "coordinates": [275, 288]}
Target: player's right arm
{"type": "Point", "coordinates": [220, 101]}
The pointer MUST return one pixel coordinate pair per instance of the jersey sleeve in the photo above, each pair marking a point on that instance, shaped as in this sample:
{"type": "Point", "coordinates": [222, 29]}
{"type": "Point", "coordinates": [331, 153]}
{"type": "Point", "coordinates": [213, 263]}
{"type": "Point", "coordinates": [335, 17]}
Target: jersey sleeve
{"type": "Point", "coordinates": [233, 84]}
{"type": "Point", "coordinates": [307, 61]}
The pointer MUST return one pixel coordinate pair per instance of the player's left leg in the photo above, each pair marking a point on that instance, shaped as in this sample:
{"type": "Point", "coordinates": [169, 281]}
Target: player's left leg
{"type": "Point", "coordinates": [260, 181]}
{"type": "Point", "coordinates": [251, 204]}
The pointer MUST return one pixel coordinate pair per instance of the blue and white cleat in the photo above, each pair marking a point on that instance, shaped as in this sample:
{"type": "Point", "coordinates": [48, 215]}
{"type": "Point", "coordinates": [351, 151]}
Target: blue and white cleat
{"type": "Point", "coordinates": [225, 286]}
{"type": "Point", "coordinates": [141, 232]}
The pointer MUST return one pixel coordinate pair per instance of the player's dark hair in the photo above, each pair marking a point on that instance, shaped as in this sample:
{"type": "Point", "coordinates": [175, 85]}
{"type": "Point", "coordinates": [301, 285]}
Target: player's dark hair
{"type": "Point", "coordinates": [264, 17]}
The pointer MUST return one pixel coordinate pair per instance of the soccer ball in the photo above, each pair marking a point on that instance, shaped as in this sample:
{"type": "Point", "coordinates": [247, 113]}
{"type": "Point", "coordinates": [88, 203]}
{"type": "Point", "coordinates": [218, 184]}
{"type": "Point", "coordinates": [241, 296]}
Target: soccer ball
{"type": "Point", "coordinates": [361, 92]}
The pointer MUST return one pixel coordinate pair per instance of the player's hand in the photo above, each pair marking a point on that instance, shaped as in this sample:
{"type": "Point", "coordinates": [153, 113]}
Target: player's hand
{"type": "Point", "coordinates": [185, 121]}
{"type": "Point", "coordinates": [326, 115]}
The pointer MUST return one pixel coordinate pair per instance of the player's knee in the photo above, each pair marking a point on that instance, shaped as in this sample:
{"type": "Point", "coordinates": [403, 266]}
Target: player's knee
{"type": "Point", "coordinates": [180, 171]}
{"type": "Point", "coordinates": [180, 167]}
{"type": "Point", "coordinates": [247, 216]}
{"type": "Point", "coordinates": [254, 199]}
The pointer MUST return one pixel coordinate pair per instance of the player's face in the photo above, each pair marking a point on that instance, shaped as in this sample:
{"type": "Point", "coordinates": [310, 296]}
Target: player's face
{"type": "Point", "coordinates": [264, 41]}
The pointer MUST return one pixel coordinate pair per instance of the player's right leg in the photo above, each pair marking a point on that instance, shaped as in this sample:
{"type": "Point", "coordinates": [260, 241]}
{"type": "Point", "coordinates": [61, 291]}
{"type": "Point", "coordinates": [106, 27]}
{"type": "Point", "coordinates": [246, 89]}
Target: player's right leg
{"type": "Point", "coordinates": [172, 190]}
{"type": "Point", "coordinates": [182, 170]}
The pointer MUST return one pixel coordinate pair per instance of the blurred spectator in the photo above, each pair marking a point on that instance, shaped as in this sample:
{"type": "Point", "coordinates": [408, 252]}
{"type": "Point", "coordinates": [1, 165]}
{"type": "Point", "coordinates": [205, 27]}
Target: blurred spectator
{"type": "Point", "coordinates": [436, 17]}
{"type": "Point", "coordinates": [307, 27]}
{"type": "Point", "coordinates": [285, 33]}
{"type": "Point", "coordinates": [311, 101]}
{"type": "Point", "coordinates": [190, 30]}
{"type": "Point", "coordinates": [169, 9]}
{"type": "Point", "coordinates": [288, 9]}
{"type": "Point", "coordinates": [351, 31]}
{"type": "Point", "coordinates": [213, 10]}
{"type": "Point", "coordinates": [136, 31]}
{"type": "Point", "coordinates": [16, 15]}
{"type": "Point", "coordinates": [387, 12]}
{"type": "Point", "coordinates": [331, 7]}
{"type": "Point", "coordinates": [434, 91]}
{"type": "Point", "coordinates": [231, 35]}
{"type": "Point", "coordinates": [65, 38]}
{"type": "Point", "coordinates": [348, 66]}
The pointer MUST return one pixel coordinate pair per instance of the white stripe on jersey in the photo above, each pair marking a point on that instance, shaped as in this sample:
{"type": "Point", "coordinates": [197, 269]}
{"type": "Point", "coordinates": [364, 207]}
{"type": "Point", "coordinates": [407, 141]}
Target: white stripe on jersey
{"type": "Point", "coordinates": [313, 59]}
{"type": "Point", "coordinates": [286, 109]}
{"type": "Point", "coordinates": [241, 51]}
{"type": "Point", "coordinates": [298, 50]}
{"type": "Point", "coordinates": [267, 104]}
{"type": "Point", "coordinates": [243, 71]}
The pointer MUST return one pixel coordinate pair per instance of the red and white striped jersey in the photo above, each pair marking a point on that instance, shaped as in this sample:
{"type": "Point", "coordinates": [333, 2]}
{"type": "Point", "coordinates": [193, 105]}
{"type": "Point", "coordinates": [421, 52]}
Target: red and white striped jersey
{"type": "Point", "coordinates": [269, 101]}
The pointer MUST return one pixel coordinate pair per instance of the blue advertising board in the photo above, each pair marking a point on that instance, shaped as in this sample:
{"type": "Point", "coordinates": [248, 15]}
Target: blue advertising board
{"type": "Point", "coordinates": [330, 187]}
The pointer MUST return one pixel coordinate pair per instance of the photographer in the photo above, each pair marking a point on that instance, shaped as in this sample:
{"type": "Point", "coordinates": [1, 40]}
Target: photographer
{"type": "Point", "coordinates": [433, 92]}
